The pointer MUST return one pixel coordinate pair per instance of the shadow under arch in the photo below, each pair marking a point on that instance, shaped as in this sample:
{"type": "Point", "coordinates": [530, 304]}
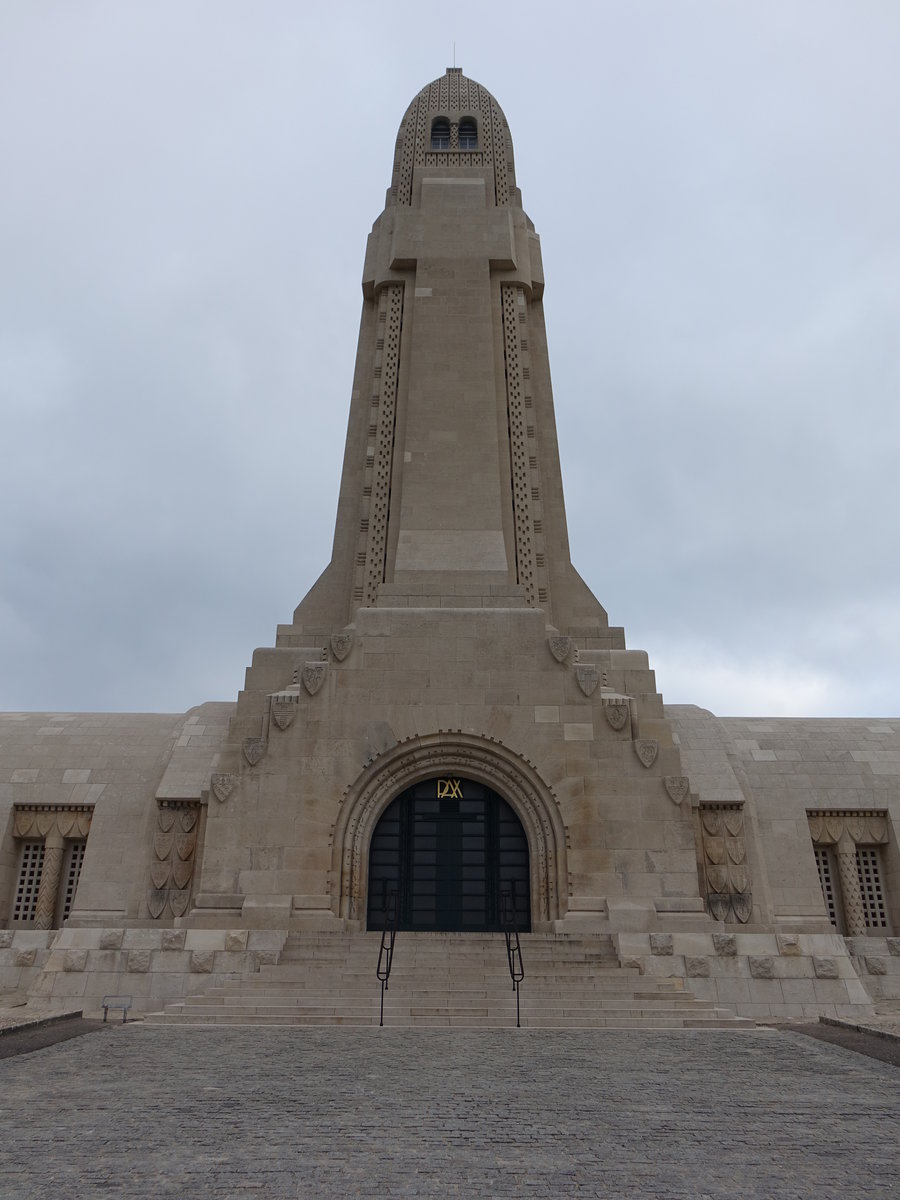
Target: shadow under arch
{"type": "Point", "coordinates": [451, 753]}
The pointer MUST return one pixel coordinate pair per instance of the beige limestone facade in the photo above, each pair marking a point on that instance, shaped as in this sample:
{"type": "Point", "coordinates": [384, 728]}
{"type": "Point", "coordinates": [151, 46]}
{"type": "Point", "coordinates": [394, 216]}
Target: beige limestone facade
{"type": "Point", "coordinates": [451, 656]}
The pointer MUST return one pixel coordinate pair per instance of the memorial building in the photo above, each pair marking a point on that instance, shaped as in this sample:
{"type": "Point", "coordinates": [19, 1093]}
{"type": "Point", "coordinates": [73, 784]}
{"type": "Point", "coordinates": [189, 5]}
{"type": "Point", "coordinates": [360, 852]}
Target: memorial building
{"type": "Point", "coordinates": [448, 717]}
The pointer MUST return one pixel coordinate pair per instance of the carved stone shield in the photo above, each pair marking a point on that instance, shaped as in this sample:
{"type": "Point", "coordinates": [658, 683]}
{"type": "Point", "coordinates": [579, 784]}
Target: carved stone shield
{"type": "Point", "coordinates": [714, 848]}
{"type": "Point", "coordinates": [181, 873]}
{"type": "Point", "coordinates": [740, 878]}
{"type": "Point", "coordinates": [184, 845]}
{"type": "Point", "coordinates": [646, 750]}
{"type": "Point", "coordinates": [222, 786]}
{"type": "Point", "coordinates": [162, 845]}
{"type": "Point", "coordinates": [165, 819]}
{"type": "Point", "coordinates": [24, 822]}
{"type": "Point", "coordinates": [179, 901]}
{"type": "Point", "coordinates": [877, 829]}
{"type": "Point", "coordinates": [616, 712]}
{"type": "Point", "coordinates": [188, 819]}
{"type": "Point", "coordinates": [855, 827]}
{"type": "Point", "coordinates": [254, 749]}
{"type": "Point", "coordinates": [159, 874]}
{"type": "Point", "coordinates": [587, 677]}
{"type": "Point", "coordinates": [712, 820]}
{"type": "Point", "coordinates": [45, 822]}
{"type": "Point", "coordinates": [677, 786]}
{"type": "Point", "coordinates": [341, 644]}
{"type": "Point", "coordinates": [717, 877]}
{"type": "Point", "coordinates": [734, 821]}
{"type": "Point", "coordinates": [83, 824]}
{"type": "Point", "coordinates": [156, 902]}
{"type": "Point", "coordinates": [719, 906]}
{"type": "Point", "coordinates": [737, 850]}
{"type": "Point", "coordinates": [834, 827]}
{"type": "Point", "coordinates": [64, 822]}
{"type": "Point", "coordinates": [815, 828]}
{"type": "Point", "coordinates": [742, 903]}
{"type": "Point", "coordinates": [313, 676]}
{"type": "Point", "coordinates": [284, 708]}
{"type": "Point", "coordinates": [560, 647]}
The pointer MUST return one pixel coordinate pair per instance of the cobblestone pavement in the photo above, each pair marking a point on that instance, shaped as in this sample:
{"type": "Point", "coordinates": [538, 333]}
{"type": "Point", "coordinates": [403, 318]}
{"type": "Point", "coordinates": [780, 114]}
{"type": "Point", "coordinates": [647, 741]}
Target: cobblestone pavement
{"type": "Point", "coordinates": [238, 1112]}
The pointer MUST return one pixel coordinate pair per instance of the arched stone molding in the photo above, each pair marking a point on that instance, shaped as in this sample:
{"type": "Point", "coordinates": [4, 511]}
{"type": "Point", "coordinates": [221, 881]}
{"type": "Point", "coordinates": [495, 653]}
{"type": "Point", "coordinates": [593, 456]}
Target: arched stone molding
{"type": "Point", "coordinates": [485, 760]}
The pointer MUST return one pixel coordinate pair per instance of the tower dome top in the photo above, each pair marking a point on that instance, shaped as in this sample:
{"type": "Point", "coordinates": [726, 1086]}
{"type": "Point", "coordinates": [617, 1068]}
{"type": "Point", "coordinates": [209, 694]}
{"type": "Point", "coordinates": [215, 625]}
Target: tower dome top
{"type": "Point", "coordinates": [454, 122]}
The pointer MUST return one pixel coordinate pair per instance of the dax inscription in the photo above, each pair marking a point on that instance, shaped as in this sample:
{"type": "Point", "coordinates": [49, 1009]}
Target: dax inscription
{"type": "Point", "coordinates": [449, 789]}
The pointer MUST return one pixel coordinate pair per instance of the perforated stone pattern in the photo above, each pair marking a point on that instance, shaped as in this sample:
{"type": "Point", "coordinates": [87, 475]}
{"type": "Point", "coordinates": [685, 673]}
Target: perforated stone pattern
{"type": "Point", "coordinates": [523, 448]}
{"type": "Point", "coordinates": [73, 873]}
{"type": "Point", "coordinates": [826, 879]}
{"type": "Point", "coordinates": [370, 559]}
{"type": "Point", "coordinates": [29, 881]}
{"type": "Point", "coordinates": [872, 893]}
{"type": "Point", "coordinates": [454, 95]}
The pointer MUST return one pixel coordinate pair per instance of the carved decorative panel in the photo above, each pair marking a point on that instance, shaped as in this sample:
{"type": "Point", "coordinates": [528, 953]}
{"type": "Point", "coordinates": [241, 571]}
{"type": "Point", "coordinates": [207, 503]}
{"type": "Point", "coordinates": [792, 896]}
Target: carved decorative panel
{"type": "Point", "coordinates": [616, 713]}
{"type": "Point", "coordinates": [254, 749]}
{"type": "Point", "coordinates": [313, 676]}
{"type": "Point", "coordinates": [372, 545]}
{"type": "Point", "coordinates": [341, 644]}
{"type": "Point", "coordinates": [222, 784]}
{"type": "Point", "coordinates": [174, 847]}
{"type": "Point", "coordinates": [587, 678]}
{"type": "Point", "coordinates": [678, 787]}
{"type": "Point", "coordinates": [728, 892]}
{"type": "Point", "coordinates": [646, 749]}
{"type": "Point", "coordinates": [522, 447]}
{"type": "Point", "coordinates": [560, 647]}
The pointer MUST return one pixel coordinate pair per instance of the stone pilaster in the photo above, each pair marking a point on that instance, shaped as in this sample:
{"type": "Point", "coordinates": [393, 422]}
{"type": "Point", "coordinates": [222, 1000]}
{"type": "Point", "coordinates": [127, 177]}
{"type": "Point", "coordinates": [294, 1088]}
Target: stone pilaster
{"type": "Point", "coordinates": [48, 888]}
{"type": "Point", "coordinates": [854, 910]}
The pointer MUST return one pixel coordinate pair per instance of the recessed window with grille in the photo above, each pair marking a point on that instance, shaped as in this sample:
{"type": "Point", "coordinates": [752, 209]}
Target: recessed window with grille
{"type": "Point", "coordinates": [826, 879]}
{"type": "Point", "coordinates": [70, 878]}
{"type": "Point", "coordinates": [440, 134]}
{"type": "Point", "coordinates": [468, 134]}
{"type": "Point", "coordinates": [30, 867]}
{"type": "Point", "coordinates": [870, 885]}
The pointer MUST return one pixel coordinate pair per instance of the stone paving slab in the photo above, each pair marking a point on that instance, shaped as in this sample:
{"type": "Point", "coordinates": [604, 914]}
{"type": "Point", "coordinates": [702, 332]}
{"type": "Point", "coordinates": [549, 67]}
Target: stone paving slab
{"type": "Point", "coordinates": [12, 1019]}
{"type": "Point", "coordinates": [238, 1112]}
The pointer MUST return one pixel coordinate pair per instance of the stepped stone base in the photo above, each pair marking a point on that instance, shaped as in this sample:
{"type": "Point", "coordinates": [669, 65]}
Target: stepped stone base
{"type": "Point", "coordinates": [448, 980]}
{"type": "Point", "coordinates": [761, 976]}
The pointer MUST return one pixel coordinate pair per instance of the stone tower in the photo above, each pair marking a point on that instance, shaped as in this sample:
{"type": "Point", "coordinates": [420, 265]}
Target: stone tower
{"type": "Point", "coordinates": [450, 644]}
{"type": "Point", "coordinates": [449, 719]}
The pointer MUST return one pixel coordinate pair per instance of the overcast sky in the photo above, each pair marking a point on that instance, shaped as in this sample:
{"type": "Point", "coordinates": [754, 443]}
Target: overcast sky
{"type": "Point", "coordinates": [185, 193]}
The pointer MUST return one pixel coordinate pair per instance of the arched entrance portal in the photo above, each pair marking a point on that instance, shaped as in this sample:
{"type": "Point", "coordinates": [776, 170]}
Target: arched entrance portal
{"type": "Point", "coordinates": [449, 754]}
{"type": "Point", "coordinates": [451, 847]}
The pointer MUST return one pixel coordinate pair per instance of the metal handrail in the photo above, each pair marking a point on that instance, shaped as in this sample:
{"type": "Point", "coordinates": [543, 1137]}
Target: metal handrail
{"type": "Point", "coordinates": [391, 909]}
{"type": "Point", "coordinates": [510, 926]}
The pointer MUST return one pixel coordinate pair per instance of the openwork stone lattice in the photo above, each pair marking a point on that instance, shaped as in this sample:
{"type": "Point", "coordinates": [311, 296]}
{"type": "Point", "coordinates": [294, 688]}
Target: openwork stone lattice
{"type": "Point", "coordinates": [372, 546]}
{"type": "Point", "coordinates": [53, 825]}
{"type": "Point", "coordinates": [728, 894]}
{"type": "Point", "coordinates": [453, 96]}
{"type": "Point", "coordinates": [451, 753]}
{"type": "Point", "coordinates": [852, 836]}
{"type": "Point", "coordinates": [522, 446]}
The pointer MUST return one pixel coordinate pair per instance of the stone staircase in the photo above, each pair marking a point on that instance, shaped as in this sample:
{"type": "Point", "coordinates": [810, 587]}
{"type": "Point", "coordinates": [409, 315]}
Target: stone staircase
{"type": "Point", "coordinates": [453, 979]}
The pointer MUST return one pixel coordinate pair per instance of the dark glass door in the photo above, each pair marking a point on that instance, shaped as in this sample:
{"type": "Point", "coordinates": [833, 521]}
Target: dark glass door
{"type": "Point", "coordinates": [450, 847]}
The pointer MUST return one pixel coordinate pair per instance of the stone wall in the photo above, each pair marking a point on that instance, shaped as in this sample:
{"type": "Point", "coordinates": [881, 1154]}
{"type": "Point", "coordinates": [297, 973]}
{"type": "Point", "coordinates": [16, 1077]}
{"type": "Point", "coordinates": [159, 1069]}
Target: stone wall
{"type": "Point", "coordinates": [765, 976]}
{"type": "Point", "coordinates": [75, 968]}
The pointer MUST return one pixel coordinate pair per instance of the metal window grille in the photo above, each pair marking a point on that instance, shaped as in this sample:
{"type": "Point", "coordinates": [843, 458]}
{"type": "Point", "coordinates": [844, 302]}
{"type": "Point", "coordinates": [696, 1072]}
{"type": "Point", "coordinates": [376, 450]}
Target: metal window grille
{"type": "Point", "coordinates": [826, 879]}
{"type": "Point", "coordinates": [468, 135]}
{"type": "Point", "coordinates": [870, 885]}
{"type": "Point", "coordinates": [30, 868]}
{"type": "Point", "coordinates": [73, 873]}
